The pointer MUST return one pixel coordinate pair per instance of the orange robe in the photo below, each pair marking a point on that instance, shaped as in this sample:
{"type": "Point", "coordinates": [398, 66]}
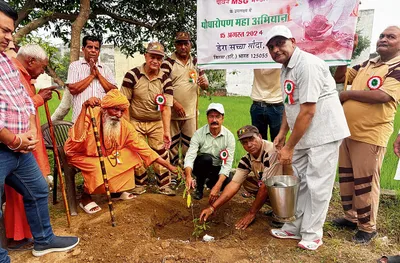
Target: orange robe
{"type": "Point", "coordinates": [16, 224]}
{"type": "Point", "coordinates": [133, 151]}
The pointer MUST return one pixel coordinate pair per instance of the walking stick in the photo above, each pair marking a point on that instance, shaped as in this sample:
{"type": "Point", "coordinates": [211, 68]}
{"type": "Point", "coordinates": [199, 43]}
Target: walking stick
{"type": "Point", "coordinates": [102, 165]}
{"type": "Point", "coordinates": [57, 157]}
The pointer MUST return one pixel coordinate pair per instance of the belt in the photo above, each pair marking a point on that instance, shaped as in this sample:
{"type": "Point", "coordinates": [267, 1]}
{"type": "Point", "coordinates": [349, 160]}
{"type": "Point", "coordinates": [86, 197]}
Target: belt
{"type": "Point", "coordinates": [264, 104]}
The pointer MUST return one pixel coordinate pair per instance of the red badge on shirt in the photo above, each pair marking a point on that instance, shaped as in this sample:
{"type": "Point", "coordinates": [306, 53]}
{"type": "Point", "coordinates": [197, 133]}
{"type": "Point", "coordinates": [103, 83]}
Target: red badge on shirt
{"type": "Point", "coordinates": [374, 82]}
{"type": "Point", "coordinates": [160, 101]}
{"type": "Point", "coordinates": [224, 154]}
{"type": "Point", "coordinates": [289, 87]}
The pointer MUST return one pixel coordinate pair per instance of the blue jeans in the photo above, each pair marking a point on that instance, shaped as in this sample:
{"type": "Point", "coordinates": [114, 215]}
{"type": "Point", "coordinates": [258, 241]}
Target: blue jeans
{"type": "Point", "coordinates": [265, 115]}
{"type": "Point", "coordinates": [21, 172]}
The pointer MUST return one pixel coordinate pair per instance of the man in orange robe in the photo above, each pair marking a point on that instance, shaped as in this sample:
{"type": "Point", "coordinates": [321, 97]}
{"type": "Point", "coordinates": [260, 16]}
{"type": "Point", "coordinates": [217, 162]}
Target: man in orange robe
{"type": "Point", "coordinates": [30, 61]}
{"type": "Point", "coordinates": [121, 147]}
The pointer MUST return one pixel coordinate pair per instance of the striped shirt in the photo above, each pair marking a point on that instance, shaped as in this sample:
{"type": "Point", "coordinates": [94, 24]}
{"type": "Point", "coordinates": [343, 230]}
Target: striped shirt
{"type": "Point", "coordinates": [373, 122]}
{"type": "Point", "coordinates": [79, 70]}
{"type": "Point", "coordinates": [184, 86]}
{"type": "Point", "coordinates": [141, 93]}
{"type": "Point", "coordinates": [15, 104]}
{"type": "Point", "coordinates": [263, 167]}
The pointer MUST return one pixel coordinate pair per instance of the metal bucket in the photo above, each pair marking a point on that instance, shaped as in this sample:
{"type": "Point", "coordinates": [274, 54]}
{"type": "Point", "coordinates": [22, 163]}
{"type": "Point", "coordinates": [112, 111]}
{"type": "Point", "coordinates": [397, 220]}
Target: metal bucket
{"type": "Point", "coordinates": [282, 191]}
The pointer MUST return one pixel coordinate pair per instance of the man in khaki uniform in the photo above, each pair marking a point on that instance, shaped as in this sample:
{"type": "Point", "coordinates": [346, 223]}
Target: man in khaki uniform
{"type": "Point", "coordinates": [150, 93]}
{"type": "Point", "coordinates": [370, 107]}
{"type": "Point", "coordinates": [181, 67]}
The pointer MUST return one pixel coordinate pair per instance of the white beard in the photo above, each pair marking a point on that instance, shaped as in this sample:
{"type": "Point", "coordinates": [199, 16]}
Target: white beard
{"type": "Point", "coordinates": [111, 130]}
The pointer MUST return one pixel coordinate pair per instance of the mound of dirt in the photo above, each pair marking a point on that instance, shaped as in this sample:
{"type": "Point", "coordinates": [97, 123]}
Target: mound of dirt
{"type": "Point", "coordinates": [157, 228]}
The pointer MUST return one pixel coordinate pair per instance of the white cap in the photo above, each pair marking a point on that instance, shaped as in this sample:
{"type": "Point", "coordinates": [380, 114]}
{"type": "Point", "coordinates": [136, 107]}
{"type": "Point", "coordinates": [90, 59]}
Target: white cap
{"type": "Point", "coordinates": [279, 30]}
{"type": "Point", "coordinates": [216, 106]}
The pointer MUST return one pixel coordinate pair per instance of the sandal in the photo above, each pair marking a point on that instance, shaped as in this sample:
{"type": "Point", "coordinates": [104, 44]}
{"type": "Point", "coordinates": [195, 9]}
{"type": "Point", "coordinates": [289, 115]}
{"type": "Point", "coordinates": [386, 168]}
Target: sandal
{"type": "Point", "coordinates": [87, 208]}
{"type": "Point", "coordinates": [139, 189]}
{"type": "Point", "coordinates": [166, 190]}
{"type": "Point", "coordinates": [122, 196]}
{"type": "Point", "coordinates": [389, 259]}
{"type": "Point", "coordinates": [310, 245]}
{"type": "Point", "coordinates": [279, 233]}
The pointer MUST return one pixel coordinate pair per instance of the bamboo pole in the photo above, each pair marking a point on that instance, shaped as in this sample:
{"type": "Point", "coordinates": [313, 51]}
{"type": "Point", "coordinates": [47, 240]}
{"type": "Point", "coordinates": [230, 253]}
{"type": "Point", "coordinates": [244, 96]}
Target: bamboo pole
{"type": "Point", "coordinates": [57, 158]}
{"type": "Point", "coordinates": [103, 167]}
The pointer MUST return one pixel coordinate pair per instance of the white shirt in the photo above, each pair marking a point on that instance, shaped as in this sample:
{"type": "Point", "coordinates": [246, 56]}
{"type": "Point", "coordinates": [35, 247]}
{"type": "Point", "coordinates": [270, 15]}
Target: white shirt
{"type": "Point", "coordinates": [79, 70]}
{"type": "Point", "coordinates": [314, 83]}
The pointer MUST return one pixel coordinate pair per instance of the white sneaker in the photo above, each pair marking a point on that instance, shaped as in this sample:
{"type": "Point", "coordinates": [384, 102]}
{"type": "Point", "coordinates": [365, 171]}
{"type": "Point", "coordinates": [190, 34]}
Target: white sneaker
{"type": "Point", "coordinates": [310, 245]}
{"type": "Point", "coordinates": [282, 234]}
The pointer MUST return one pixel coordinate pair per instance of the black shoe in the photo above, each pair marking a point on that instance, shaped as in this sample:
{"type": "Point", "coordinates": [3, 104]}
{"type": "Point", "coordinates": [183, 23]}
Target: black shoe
{"type": "Point", "coordinates": [198, 195]}
{"type": "Point", "coordinates": [269, 212]}
{"type": "Point", "coordinates": [344, 223]}
{"type": "Point", "coordinates": [276, 224]}
{"type": "Point", "coordinates": [58, 244]}
{"type": "Point", "coordinates": [362, 237]}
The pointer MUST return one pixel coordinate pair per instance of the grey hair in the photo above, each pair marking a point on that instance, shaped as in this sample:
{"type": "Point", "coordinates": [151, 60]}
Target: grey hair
{"type": "Point", "coordinates": [32, 50]}
{"type": "Point", "coordinates": [396, 26]}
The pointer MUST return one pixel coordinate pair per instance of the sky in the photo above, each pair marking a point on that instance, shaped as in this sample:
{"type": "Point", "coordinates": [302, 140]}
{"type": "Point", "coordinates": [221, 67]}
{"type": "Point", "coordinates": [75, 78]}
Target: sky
{"type": "Point", "coordinates": [386, 14]}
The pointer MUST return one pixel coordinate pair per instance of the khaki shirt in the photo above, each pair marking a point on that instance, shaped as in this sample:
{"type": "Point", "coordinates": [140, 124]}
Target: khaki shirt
{"type": "Point", "coordinates": [142, 92]}
{"type": "Point", "coordinates": [373, 123]}
{"type": "Point", "coordinates": [266, 86]}
{"type": "Point", "coordinates": [184, 85]}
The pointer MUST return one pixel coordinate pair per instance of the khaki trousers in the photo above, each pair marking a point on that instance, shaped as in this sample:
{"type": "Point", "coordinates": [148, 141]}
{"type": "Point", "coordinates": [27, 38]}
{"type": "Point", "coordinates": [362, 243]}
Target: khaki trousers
{"type": "Point", "coordinates": [152, 132]}
{"type": "Point", "coordinates": [181, 133]}
{"type": "Point", "coordinates": [359, 173]}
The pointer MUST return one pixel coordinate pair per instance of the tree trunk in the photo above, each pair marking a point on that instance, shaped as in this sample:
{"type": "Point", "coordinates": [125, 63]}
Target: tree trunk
{"type": "Point", "coordinates": [51, 72]}
{"type": "Point", "coordinates": [76, 29]}
{"type": "Point", "coordinates": [33, 25]}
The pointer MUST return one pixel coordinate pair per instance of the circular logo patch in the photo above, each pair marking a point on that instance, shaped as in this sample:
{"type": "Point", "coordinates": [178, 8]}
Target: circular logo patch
{"type": "Point", "coordinates": [374, 82]}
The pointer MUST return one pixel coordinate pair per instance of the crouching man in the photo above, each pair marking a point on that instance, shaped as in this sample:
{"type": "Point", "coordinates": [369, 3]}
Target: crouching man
{"type": "Point", "coordinates": [210, 155]}
{"type": "Point", "coordinates": [262, 160]}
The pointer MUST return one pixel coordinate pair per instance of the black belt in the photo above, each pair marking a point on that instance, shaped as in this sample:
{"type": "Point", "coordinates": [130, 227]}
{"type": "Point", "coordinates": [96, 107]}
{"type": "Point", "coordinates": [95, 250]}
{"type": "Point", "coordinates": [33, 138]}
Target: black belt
{"type": "Point", "coordinates": [264, 104]}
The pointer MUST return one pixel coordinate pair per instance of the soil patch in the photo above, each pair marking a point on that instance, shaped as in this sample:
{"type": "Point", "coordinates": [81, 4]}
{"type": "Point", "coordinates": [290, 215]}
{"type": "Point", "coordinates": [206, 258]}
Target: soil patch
{"type": "Point", "coordinates": [157, 228]}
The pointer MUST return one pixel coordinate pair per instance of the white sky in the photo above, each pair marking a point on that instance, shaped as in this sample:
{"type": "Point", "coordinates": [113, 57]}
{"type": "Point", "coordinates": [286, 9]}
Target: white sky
{"type": "Point", "coordinates": [386, 14]}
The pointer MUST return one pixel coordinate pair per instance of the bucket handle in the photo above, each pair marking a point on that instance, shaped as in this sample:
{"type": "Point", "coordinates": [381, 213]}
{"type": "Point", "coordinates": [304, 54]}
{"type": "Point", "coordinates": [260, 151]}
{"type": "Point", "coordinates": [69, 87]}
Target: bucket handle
{"type": "Point", "coordinates": [277, 162]}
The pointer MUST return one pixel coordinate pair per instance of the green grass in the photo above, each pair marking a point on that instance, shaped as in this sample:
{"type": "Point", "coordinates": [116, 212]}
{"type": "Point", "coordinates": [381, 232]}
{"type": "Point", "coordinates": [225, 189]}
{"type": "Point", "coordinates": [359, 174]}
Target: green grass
{"type": "Point", "coordinates": [237, 115]}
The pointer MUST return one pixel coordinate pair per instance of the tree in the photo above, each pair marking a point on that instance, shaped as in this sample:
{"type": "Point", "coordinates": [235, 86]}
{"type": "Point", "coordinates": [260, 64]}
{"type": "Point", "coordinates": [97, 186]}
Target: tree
{"type": "Point", "coordinates": [126, 24]}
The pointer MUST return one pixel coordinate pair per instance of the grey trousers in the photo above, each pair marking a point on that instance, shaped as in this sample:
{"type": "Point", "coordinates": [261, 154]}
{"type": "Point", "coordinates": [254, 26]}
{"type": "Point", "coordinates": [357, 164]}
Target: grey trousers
{"type": "Point", "coordinates": [316, 168]}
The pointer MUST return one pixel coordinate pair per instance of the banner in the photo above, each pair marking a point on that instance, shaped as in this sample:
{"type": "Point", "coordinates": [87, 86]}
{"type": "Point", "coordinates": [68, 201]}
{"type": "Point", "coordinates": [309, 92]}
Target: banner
{"type": "Point", "coordinates": [231, 33]}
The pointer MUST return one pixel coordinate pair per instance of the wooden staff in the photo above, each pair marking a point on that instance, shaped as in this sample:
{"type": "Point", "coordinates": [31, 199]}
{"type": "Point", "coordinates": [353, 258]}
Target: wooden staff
{"type": "Point", "coordinates": [102, 165]}
{"type": "Point", "coordinates": [57, 157]}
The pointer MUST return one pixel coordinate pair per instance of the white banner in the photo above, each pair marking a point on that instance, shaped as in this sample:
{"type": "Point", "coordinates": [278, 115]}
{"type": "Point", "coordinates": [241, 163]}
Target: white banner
{"type": "Point", "coordinates": [231, 33]}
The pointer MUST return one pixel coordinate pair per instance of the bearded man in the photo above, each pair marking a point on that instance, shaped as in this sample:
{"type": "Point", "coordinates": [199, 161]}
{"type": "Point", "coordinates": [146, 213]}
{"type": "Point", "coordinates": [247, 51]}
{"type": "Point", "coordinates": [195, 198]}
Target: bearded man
{"type": "Point", "coordinates": [123, 149]}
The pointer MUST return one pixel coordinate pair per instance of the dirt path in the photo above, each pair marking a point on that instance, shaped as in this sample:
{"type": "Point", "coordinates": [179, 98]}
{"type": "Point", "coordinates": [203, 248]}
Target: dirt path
{"type": "Point", "coordinates": [156, 228]}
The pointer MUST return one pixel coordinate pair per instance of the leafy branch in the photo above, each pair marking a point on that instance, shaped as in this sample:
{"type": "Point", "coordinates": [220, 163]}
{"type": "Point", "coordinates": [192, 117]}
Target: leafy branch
{"type": "Point", "coordinates": [199, 227]}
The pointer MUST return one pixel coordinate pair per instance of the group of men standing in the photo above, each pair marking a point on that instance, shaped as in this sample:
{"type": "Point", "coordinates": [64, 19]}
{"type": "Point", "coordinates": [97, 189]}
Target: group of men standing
{"type": "Point", "coordinates": [161, 109]}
